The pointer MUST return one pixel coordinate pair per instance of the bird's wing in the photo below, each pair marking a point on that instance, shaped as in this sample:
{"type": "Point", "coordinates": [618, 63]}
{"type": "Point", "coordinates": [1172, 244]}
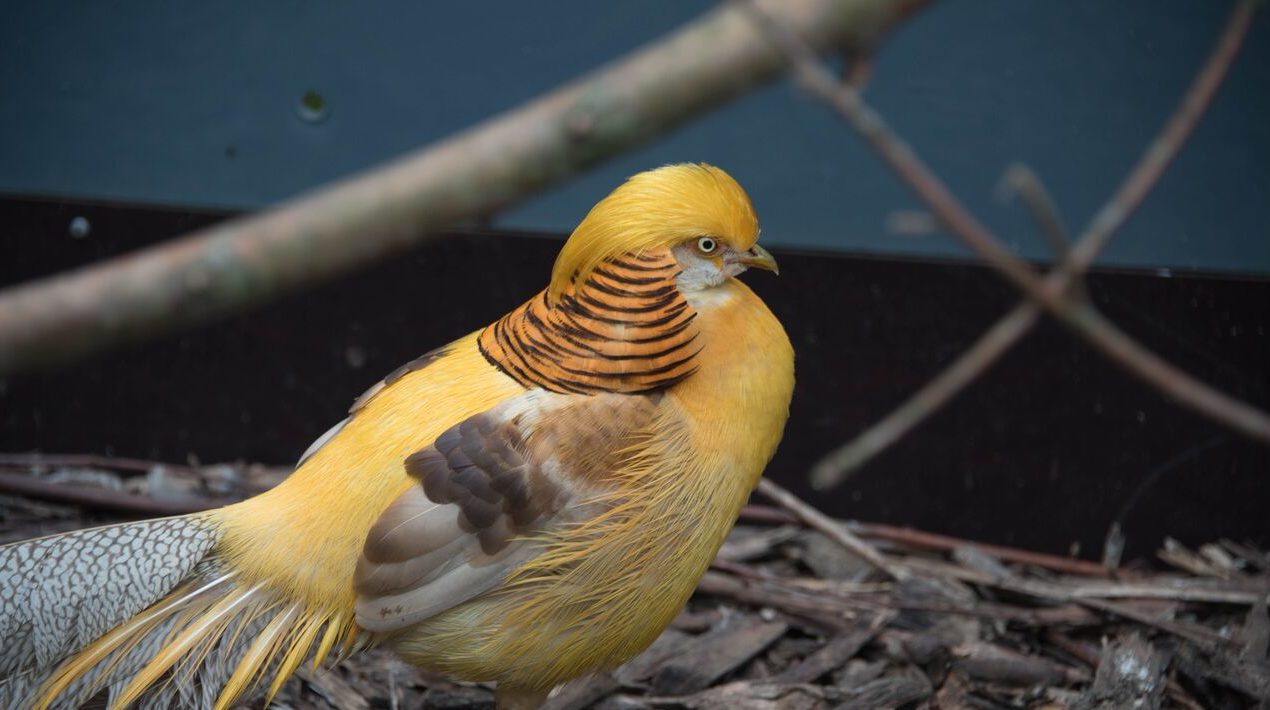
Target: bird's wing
{"type": "Point", "coordinates": [486, 487]}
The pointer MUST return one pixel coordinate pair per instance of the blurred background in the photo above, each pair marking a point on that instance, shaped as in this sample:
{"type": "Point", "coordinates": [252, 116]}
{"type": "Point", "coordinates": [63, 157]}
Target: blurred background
{"type": "Point", "coordinates": [125, 127]}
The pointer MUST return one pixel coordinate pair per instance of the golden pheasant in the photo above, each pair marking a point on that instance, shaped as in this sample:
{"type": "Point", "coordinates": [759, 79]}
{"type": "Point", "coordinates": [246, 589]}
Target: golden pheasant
{"type": "Point", "coordinates": [532, 502]}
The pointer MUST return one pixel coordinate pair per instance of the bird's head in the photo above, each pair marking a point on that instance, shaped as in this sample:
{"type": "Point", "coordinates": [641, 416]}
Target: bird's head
{"type": "Point", "coordinates": [697, 212]}
{"type": "Point", "coordinates": [646, 274]}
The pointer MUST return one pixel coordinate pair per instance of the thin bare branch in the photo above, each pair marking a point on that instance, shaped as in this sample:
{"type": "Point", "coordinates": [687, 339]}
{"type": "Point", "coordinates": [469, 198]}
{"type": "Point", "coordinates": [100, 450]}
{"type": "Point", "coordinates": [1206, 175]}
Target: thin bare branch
{"type": "Point", "coordinates": [1021, 180]}
{"type": "Point", "coordinates": [1166, 146]}
{"type": "Point", "coordinates": [834, 467]}
{"type": "Point", "coordinates": [1049, 292]}
{"type": "Point", "coordinates": [839, 463]}
{"type": "Point", "coordinates": [331, 231]}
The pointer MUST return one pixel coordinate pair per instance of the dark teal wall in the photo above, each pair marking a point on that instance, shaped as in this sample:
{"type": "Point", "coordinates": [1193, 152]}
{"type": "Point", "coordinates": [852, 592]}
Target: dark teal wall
{"type": "Point", "coordinates": [195, 104]}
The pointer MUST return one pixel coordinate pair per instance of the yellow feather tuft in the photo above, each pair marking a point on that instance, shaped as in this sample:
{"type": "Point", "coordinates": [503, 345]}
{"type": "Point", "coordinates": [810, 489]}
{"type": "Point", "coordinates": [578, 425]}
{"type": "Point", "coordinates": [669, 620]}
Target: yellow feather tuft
{"type": "Point", "coordinates": [654, 209]}
{"type": "Point", "coordinates": [119, 642]}
{"type": "Point", "coordinates": [300, 644]}
{"type": "Point", "coordinates": [210, 625]}
{"type": "Point", "coordinates": [255, 661]}
{"type": "Point", "coordinates": [333, 632]}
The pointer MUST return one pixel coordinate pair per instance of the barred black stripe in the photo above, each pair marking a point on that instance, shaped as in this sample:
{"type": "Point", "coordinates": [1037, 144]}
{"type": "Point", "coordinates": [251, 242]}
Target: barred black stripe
{"type": "Point", "coordinates": [669, 381]}
{"type": "Point", "coordinates": [599, 285]}
{"type": "Point", "coordinates": [661, 353]}
{"type": "Point", "coordinates": [668, 332]}
{"type": "Point", "coordinates": [629, 280]}
{"type": "Point", "coordinates": [627, 329]}
{"type": "Point", "coordinates": [624, 264]}
{"type": "Point", "coordinates": [656, 305]}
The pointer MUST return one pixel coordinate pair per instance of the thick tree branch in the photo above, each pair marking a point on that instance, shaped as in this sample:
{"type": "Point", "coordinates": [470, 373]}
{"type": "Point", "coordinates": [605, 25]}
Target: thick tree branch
{"type": "Point", "coordinates": [335, 229]}
{"type": "Point", "coordinates": [1050, 292]}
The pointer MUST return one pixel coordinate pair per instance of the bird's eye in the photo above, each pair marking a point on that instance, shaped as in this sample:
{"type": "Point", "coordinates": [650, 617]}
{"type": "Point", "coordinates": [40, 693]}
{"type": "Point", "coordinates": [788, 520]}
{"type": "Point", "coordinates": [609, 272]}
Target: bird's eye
{"type": "Point", "coordinates": [706, 245]}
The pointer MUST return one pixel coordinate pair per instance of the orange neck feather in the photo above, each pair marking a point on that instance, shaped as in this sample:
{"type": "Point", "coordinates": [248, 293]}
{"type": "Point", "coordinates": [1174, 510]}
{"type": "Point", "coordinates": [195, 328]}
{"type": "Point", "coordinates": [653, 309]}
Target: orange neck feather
{"type": "Point", "coordinates": [626, 328]}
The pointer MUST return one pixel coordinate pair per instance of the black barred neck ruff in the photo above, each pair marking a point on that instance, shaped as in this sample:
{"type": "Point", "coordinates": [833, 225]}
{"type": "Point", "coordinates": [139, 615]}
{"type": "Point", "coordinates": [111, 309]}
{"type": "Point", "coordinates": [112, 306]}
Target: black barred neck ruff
{"type": "Point", "coordinates": [626, 329]}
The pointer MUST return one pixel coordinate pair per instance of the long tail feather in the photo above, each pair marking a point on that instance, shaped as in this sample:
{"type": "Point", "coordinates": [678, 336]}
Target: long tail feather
{"type": "Point", "coordinates": [147, 613]}
{"type": "Point", "coordinates": [60, 593]}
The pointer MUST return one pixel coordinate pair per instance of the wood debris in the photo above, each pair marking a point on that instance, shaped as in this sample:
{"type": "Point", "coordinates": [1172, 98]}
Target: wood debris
{"type": "Point", "coordinates": [790, 616]}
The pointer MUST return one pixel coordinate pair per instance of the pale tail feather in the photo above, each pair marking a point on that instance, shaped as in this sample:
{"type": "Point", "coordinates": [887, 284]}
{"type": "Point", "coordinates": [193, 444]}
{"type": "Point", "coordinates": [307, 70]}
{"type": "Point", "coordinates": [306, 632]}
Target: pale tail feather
{"type": "Point", "coordinates": [59, 593]}
{"type": "Point", "coordinates": [145, 612]}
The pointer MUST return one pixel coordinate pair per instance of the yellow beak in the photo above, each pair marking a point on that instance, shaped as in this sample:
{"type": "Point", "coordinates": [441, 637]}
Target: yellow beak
{"type": "Point", "coordinates": [759, 258]}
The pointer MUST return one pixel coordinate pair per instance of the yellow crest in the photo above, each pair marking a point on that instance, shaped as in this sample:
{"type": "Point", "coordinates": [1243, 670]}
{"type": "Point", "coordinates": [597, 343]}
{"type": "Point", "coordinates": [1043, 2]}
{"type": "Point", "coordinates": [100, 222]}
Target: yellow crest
{"type": "Point", "coordinates": [654, 209]}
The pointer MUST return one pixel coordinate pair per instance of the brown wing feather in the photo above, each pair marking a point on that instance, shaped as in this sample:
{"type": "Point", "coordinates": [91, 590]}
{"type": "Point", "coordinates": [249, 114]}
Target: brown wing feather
{"type": "Point", "coordinates": [486, 487]}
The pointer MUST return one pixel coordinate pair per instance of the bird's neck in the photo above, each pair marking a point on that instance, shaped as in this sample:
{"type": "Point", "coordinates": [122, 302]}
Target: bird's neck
{"type": "Point", "coordinates": [627, 328]}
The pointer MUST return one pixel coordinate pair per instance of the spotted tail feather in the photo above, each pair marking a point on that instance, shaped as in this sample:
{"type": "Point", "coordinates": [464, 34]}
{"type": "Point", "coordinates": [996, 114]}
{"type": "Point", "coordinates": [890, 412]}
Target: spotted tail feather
{"type": "Point", "coordinates": [148, 615]}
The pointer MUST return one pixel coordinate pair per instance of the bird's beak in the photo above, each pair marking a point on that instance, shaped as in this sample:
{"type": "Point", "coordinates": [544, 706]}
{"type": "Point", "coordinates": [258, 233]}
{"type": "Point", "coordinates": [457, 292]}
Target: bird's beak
{"type": "Point", "coordinates": [759, 258]}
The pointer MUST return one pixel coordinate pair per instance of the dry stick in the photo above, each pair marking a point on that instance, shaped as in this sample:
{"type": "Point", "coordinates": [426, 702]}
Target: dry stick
{"type": "Point", "coordinates": [1022, 181]}
{"type": "Point", "coordinates": [1081, 590]}
{"type": "Point", "coordinates": [1095, 598]}
{"type": "Point", "coordinates": [944, 543]}
{"type": "Point", "coordinates": [1051, 292]}
{"type": "Point", "coordinates": [766, 514]}
{"type": "Point", "coordinates": [834, 467]}
{"type": "Point", "coordinates": [837, 465]}
{"type": "Point", "coordinates": [1205, 638]}
{"type": "Point", "coordinates": [351, 223]}
{"type": "Point", "coordinates": [831, 528]}
{"type": "Point", "coordinates": [932, 541]}
{"type": "Point", "coordinates": [114, 463]}
{"type": "Point", "coordinates": [102, 498]}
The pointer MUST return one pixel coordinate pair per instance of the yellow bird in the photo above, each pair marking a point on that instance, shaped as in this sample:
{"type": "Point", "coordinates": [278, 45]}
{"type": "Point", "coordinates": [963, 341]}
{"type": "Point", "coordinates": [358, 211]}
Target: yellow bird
{"type": "Point", "coordinates": [533, 502]}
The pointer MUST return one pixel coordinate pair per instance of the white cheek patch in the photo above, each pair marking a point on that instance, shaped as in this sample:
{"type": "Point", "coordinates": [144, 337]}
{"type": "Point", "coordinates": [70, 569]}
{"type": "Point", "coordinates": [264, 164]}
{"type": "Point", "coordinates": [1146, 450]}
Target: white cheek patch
{"type": "Point", "coordinates": [698, 277]}
{"type": "Point", "coordinates": [698, 274]}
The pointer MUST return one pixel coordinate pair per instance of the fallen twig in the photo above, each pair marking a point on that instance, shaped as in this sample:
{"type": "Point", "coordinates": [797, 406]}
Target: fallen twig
{"type": "Point", "coordinates": [834, 654]}
{"type": "Point", "coordinates": [930, 541]}
{"type": "Point", "coordinates": [102, 498]}
{"type": "Point", "coordinates": [714, 654]}
{"type": "Point", "coordinates": [830, 528]}
{"type": "Point", "coordinates": [922, 540]}
{"type": "Point", "coordinates": [41, 460]}
{"type": "Point", "coordinates": [1173, 589]}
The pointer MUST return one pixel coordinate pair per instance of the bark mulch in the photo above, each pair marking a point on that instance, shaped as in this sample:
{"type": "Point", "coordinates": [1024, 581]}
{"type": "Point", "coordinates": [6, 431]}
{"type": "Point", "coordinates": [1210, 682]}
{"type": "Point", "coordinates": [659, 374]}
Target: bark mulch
{"type": "Point", "coordinates": [790, 617]}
